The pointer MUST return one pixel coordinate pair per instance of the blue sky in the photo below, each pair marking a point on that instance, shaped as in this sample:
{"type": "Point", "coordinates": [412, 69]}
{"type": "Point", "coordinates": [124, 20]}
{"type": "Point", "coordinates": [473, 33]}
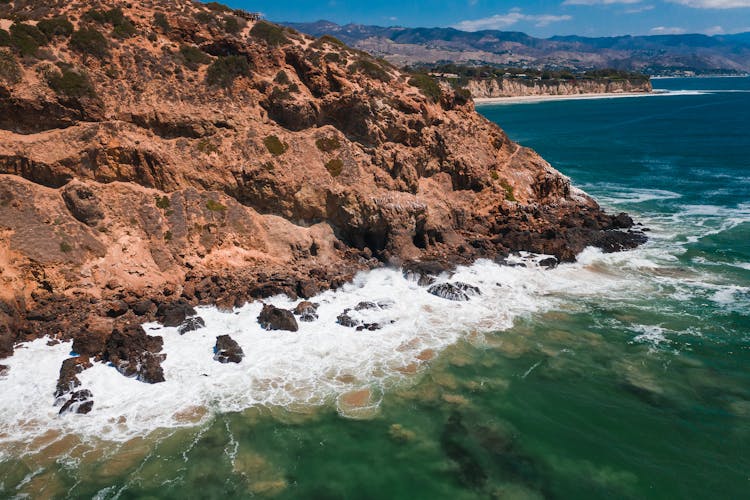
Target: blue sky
{"type": "Point", "coordinates": [536, 17]}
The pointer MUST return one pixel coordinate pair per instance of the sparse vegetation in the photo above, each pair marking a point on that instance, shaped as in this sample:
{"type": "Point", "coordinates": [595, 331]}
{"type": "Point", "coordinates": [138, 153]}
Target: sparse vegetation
{"type": "Point", "coordinates": [332, 57]}
{"type": "Point", "coordinates": [89, 41]}
{"type": "Point", "coordinates": [268, 166]}
{"type": "Point", "coordinates": [215, 206]}
{"type": "Point", "coordinates": [205, 17]}
{"type": "Point", "coordinates": [234, 24]}
{"type": "Point", "coordinates": [161, 22]}
{"type": "Point", "coordinates": [335, 167]}
{"type": "Point", "coordinates": [328, 144]}
{"type": "Point", "coordinates": [463, 96]}
{"type": "Point", "coordinates": [4, 38]}
{"type": "Point", "coordinates": [70, 82]}
{"type": "Point", "coordinates": [282, 78]}
{"type": "Point", "coordinates": [122, 27]}
{"type": "Point", "coordinates": [217, 7]}
{"type": "Point", "coordinates": [332, 40]}
{"type": "Point", "coordinates": [193, 57]}
{"type": "Point", "coordinates": [275, 146]}
{"type": "Point", "coordinates": [509, 194]}
{"type": "Point", "coordinates": [10, 70]}
{"type": "Point", "coordinates": [168, 236]}
{"type": "Point", "coordinates": [206, 147]}
{"type": "Point", "coordinates": [370, 68]}
{"type": "Point", "coordinates": [57, 26]}
{"type": "Point", "coordinates": [163, 202]}
{"type": "Point", "coordinates": [427, 85]}
{"type": "Point", "coordinates": [272, 34]}
{"type": "Point", "coordinates": [65, 247]}
{"type": "Point", "coordinates": [225, 70]}
{"type": "Point", "coordinates": [26, 39]}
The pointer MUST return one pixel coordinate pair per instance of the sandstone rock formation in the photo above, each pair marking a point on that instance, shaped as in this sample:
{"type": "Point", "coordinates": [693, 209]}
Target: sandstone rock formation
{"type": "Point", "coordinates": [160, 154]}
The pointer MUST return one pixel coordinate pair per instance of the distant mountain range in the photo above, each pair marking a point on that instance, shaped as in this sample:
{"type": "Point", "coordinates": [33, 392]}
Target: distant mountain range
{"type": "Point", "coordinates": [657, 54]}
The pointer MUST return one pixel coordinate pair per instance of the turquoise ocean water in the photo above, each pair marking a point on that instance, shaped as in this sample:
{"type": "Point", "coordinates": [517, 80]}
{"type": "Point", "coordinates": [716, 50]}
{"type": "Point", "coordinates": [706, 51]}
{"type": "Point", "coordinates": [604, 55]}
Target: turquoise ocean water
{"type": "Point", "coordinates": [622, 376]}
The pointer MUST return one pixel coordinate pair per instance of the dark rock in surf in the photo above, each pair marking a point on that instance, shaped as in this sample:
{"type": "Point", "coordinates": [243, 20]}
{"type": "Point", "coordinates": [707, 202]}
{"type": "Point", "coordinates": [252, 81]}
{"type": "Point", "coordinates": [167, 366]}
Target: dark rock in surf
{"type": "Point", "coordinates": [307, 311]}
{"type": "Point", "coordinates": [191, 324]}
{"type": "Point", "coordinates": [174, 313]}
{"type": "Point", "coordinates": [67, 381]}
{"type": "Point", "coordinates": [275, 318]}
{"type": "Point", "coordinates": [135, 354]}
{"type": "Point", "coordinates": [617, 241]}
{"type": "Point", "coordinates": [457, 291]}
{"type": "Point", "coordinates": [548, 263]}
{"type": "Point", "coordinates": [227, 350]}
{"type": "Point", "coordinates": [80, 402]}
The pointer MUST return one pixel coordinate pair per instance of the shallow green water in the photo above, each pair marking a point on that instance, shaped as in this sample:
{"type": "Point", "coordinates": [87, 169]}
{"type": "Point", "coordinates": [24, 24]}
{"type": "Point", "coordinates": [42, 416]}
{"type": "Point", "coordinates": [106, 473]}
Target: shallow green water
{"type": "Point", "coordinates": [638, 389]}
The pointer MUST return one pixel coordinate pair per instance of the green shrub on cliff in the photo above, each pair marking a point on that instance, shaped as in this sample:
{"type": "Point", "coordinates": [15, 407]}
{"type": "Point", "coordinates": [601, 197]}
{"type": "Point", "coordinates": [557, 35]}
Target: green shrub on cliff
{"type": "Point", "coordinates": [89, 41]}
{"type": "Point", "coordinates": [193, 57]}
{"type": "Point", "coordinates": [215, 206]}
{"type": "Point", "coordinates": [122, 27]}
{"type": "Point", "coordinates": [335, 167]}
{"type": "Point", "coordinates": [161, 22]}
{"type": "Point", "coordinates": [429, 87]}
{"type": "Point", "coordinates": [370, 68]}
{"type": "Point", "coordinates": [70, 83]}
{"type": "Point", "coordinates": [10, 70]}
{"type": "Point", "coordinates": [270, 33]}
{"type": "Point", "coordinates": [4, 38]}
{"type": "Point", "coordinates": [234, 24]}
{"type": "Point", "coordinates": [509, 193]}
{"type": "Point", "coordinates": [26, 38]}
{"type": "Point", "coordinates": [57, 26]}
{"type": "Point", "coordinates": [275, 146]}
{"type": "Point", "coordinates": [328, 144]}
{"type": "Point", "coordinates": [226, 69]}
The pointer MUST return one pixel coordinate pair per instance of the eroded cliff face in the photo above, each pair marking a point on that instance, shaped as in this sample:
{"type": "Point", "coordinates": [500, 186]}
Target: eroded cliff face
{"type": "Point", "coordinates": [505, 87]}
{"type": "Point", "coordinates": [166, 153]}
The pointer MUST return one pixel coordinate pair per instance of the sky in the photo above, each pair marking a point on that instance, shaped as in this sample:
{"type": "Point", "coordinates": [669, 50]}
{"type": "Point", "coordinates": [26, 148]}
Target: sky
{"type": "Point", "coordinates": [541, 18]}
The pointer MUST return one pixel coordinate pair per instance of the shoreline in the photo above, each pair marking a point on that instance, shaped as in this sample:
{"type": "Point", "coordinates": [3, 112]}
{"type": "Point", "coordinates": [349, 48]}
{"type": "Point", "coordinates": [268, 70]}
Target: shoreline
{"type": "Point", "coordinates": [485, 101]}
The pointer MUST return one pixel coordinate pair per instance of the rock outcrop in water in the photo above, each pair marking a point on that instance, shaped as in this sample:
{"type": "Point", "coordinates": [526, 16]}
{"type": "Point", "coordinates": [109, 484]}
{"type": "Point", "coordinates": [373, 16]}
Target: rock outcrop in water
{"type": "Point", "coordinates": [157, 155]}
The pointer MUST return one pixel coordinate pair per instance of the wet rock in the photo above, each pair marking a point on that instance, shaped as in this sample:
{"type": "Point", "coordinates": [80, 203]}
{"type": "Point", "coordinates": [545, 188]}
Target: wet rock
{"type": "Point", "coordinates": [274, 318]}
{"type": "Point", "coordinates": [307, 311]}
{"type": "Point", "coordinates": [69, 370]}
{"type": "Point", "coordinates": [191, 324]}
{"type": "Point", "coordinates": [90, 342]}
{"type": "Point", "coordinates": [174, 313]}
{"type": "Point", "coordinates": [351, 319]}
{"type": "Point", "coordinates": [424, 272]}
{"type": "Point", "coordinates": [4, 369]}
{"type": "Point", "coordinates": [548, 263]}
{"type": "Point", "coordinates": [135, 354]}
{"type": "Point", "coordinates": [80, 402]}
{"type": "Point", "coordinates": [227, 350]}
{"type": "Point", "coordinates": [457, 291]}
{"type": "Point", "coordinates": [622, 221]}
{"type": "Point", "coordinates": [617, 241]}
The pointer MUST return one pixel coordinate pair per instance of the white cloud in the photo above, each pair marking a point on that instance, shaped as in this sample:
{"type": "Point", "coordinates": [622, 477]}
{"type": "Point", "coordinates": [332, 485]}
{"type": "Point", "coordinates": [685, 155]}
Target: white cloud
{"type": "Point", "coordinates": [598, 2]}
{"type": "Point", "coordinates": [667, 30]}
{"type": "Point", "coordinates": [714, 30]}
{"type": "Point", "coordinates": [637, 10]}
{"type": "Point", "coordinates": [514, 16]}
{"type": "Point", "coordinates": [713, 4]}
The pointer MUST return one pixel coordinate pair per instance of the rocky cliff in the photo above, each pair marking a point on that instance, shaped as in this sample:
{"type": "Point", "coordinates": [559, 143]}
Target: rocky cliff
{"type": "Point", "coordinates": [515, 87]}
{"type": "Point", "coordinates": [159, 154]}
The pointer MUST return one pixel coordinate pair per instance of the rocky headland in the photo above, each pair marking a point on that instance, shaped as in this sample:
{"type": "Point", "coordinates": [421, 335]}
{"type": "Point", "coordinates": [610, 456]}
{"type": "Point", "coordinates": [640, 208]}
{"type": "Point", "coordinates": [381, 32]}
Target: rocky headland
{"type": "Point", "coordinates": [157, 155]}
{"type": "Point", "coordinates": [514, 87]}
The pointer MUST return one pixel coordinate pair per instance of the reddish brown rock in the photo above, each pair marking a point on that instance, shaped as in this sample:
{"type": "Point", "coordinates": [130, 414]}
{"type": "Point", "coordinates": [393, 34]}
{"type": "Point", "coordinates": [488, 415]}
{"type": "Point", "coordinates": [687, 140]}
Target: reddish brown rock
{"type": "Point", "coordinates": [157, 184]}
{"type": "Point", "coordinates": [136, 354]}
{"type": "Point", "coordinates": [274, 318]}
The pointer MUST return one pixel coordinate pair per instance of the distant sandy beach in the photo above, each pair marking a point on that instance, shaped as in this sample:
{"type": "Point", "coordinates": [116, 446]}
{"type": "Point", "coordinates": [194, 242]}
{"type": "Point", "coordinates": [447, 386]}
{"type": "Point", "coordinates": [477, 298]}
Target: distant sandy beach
{"type": "Point", "coordinates": [484, 101]}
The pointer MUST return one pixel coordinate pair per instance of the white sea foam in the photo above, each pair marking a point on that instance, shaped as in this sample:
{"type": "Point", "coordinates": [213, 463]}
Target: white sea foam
{"type": "Point", "coordinates": [649, 334]}
{"type": "Point", "coordinates": [323, 360]}
{"type": "Point", "coordinates": [310, 367]}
